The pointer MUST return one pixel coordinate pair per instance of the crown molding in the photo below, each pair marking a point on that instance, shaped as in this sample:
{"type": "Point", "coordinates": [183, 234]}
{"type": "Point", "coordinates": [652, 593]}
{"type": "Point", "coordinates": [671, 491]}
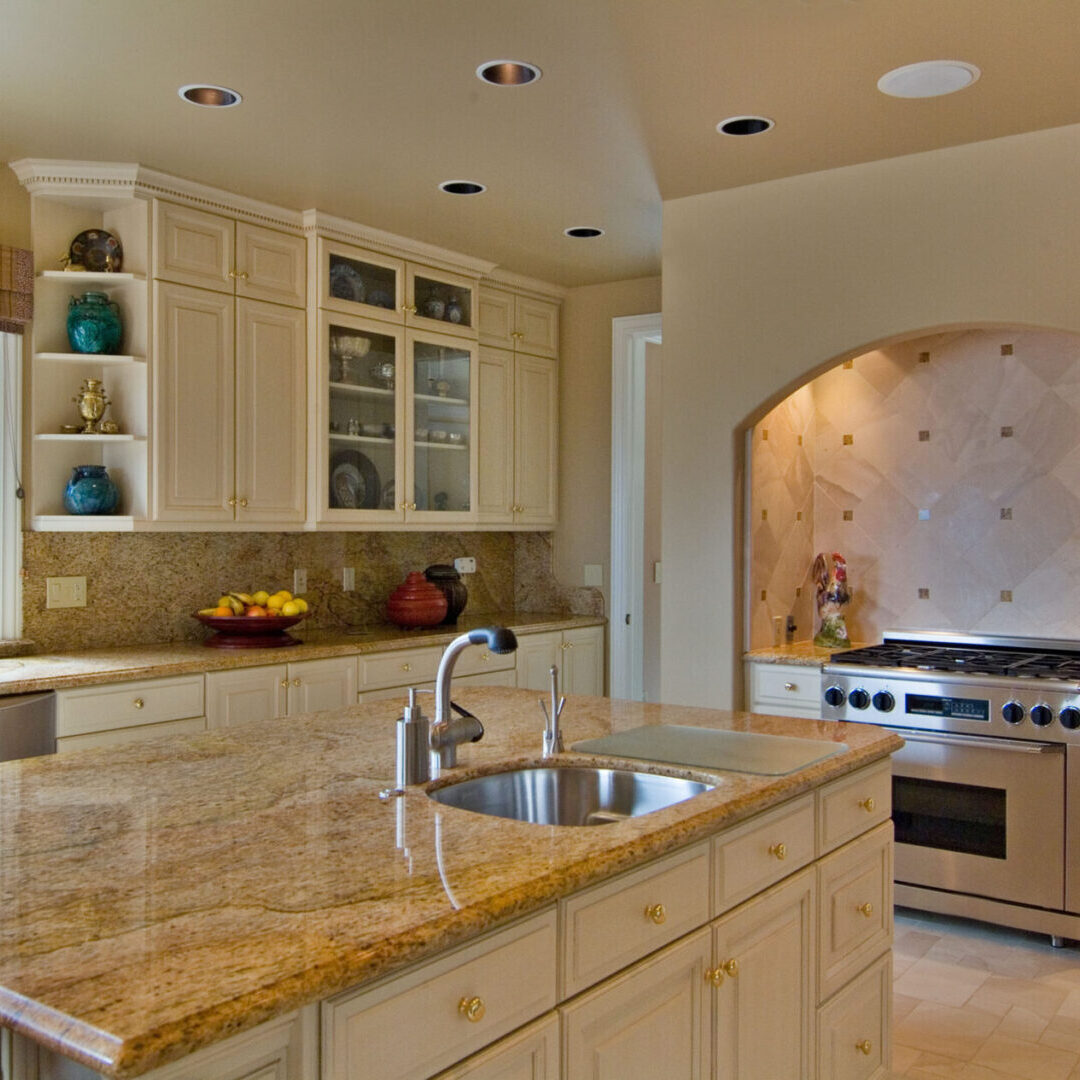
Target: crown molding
{"type": "Point", "coordinates": [41, 176]}
{"type": "Point", "coordinates": [541, 290]}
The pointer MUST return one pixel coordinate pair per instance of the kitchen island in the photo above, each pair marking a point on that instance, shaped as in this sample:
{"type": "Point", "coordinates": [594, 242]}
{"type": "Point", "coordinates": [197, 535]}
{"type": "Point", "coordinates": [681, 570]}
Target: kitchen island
{"type": "Point", "coordinates": [162, 897]}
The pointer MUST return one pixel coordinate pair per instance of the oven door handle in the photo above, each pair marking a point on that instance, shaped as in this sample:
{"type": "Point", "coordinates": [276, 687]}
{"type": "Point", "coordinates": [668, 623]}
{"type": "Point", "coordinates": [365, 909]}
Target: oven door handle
{"type": "Point", "coordinates": [1015, 746]}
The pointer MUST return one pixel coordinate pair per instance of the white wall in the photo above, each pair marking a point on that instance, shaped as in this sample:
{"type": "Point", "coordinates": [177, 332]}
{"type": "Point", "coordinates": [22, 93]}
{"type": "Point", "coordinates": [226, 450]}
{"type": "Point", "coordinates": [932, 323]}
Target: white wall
{"type": "Point", "coordinates": [764, 285]}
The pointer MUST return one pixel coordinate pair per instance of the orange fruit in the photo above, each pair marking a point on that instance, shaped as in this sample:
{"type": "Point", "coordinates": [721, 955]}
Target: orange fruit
{"type": "Point", "coordinates": [223, 611]}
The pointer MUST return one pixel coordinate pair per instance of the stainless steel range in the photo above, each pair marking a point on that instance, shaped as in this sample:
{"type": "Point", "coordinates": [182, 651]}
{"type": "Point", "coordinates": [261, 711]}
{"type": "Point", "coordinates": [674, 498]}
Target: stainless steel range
{"type": "Point", "coordinates": [986, 792]}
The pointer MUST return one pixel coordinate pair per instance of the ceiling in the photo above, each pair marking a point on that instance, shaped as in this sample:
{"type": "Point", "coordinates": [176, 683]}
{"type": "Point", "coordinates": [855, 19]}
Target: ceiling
{"type": "Point", "coordinates": [361, 107]}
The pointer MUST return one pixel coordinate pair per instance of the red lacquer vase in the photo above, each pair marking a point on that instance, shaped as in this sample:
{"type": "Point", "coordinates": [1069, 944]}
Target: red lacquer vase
{"type": "Point", "coordinates": [416, 602]}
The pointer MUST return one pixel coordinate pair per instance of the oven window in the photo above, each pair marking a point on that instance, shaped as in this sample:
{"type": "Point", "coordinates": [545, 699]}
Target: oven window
{"type": "Point", "coordinates": [953, 817]}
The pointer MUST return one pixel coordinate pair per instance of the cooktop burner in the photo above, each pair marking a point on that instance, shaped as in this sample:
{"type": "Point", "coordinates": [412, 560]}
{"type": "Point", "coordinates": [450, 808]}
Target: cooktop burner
{"type": "Point", "coordinates": [984, 658]}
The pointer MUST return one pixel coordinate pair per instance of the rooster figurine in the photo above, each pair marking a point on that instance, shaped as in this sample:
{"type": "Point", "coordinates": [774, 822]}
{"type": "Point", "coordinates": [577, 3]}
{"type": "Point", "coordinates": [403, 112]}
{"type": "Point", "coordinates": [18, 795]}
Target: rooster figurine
{"type": "Point", "coordinates": [832, 595]}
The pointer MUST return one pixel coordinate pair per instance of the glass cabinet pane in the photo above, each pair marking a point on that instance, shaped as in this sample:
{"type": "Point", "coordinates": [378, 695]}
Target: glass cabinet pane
{"type": "Point", "coordinates": [360, 282]}
{"type": "Point", "coordinates": [442, 390]}
{"type": "Point", "coordinates": [442, 301]}
{"type": "Point", "coordinates": [363, 387]}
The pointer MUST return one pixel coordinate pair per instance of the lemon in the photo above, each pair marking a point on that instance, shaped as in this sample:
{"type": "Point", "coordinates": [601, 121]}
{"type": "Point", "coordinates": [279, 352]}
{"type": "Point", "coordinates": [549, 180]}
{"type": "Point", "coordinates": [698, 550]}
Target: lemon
{"type": "Point", "coordinates": [301, 603]}
{"type": "Point", "coordinates": [290, 607]}
{"type": "Point", "coordinates": [260, 597]}
{"type": "Point", "coordinates": [284, 594]}
{"type": "Point", "coordinates": [275, 602]}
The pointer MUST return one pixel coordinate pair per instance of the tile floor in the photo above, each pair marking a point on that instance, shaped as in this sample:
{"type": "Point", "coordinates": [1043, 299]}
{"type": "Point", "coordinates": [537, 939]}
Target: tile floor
{"type": "Point", "coordinates": [974, 1002]}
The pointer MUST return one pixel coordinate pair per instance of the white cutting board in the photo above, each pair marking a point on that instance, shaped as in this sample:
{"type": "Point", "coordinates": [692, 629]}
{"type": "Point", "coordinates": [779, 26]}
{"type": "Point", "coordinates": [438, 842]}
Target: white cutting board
{"type": "Point", "coordinates": [707, 748]}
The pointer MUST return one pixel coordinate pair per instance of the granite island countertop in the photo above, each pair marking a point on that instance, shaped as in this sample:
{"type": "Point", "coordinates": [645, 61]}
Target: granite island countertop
{"type": "Point", "coordinates": [158, 897]}
{"type": "Point", "coordinates": [90, 667]}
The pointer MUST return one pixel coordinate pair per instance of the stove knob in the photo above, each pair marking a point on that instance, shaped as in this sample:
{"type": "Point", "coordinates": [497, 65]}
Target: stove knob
{"type": "Point", "coordinates": [1070, 717]}
{"type": "Point", "coordinates": [1041, 715]}
{"type": "Point", "coordinates": [884, 701]}
{"type": "Point", "coordinates": [835, 696]}
{"type": "Point", "coordinates": [1012, 712]}
{"type": "Point", "coordinates": [858, 699]}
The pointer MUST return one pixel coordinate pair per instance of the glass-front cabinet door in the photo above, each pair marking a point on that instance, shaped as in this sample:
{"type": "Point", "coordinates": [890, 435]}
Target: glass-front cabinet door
{"type": "Point", "coordinates": [439, 301]}
{"type": "Point", "coordinates": [361, 414]}
{"type": "Point", "coordinates": [441, 428]}
{"type": "Point", "coordinates": [361, 283]}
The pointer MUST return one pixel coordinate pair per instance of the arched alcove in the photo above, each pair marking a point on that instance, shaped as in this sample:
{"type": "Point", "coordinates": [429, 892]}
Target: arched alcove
{"type": "Point", "coordinates": [945, 467]}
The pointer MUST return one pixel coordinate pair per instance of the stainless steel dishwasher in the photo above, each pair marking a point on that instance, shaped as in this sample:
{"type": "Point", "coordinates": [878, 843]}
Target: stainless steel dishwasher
{"type": "Point", "coordinates": [27, 725]}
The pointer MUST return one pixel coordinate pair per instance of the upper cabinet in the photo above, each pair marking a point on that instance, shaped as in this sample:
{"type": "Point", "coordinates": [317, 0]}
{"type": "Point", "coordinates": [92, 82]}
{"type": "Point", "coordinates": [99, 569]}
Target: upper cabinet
{"type": "Point", "coordinates": [517, 321]}
{"type": "Point", "coordinates": [354, 281]}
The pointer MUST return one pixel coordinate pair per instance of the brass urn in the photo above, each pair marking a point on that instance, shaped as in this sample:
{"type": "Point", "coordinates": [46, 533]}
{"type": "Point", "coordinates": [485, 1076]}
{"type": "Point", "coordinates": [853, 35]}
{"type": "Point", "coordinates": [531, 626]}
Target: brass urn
{"type": "Point", "coordinates": [92, 404]}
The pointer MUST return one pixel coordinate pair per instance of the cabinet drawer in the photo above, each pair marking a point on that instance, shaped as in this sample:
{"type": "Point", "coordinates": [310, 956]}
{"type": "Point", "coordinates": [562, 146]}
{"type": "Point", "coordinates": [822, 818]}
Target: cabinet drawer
{"type": "Point", "coordinates": [853, 804]}
{"type": "Point", "coordinates": [786, 684]}
{"type": "Point", "coordinates": [854, 1030]}
{"type": "Point", "coordinates": [476, 661]}
{"type": "Point", "coordinates": [751, 857]}
{"type": "Point", "coordinates": [855, 912]}
{"type": "Point", "coordinates": [415, 1024]}
{"type": "Point", "coordinates": [403, 667]}
{"type": "Point", "coordinates": [191, 725]}
{"type": "Point", "coordinates": [614, 924]}
{"type": "Point", "coordinates": [529, 1054]}
{"type": "Point", "coordinates": [150, 701]}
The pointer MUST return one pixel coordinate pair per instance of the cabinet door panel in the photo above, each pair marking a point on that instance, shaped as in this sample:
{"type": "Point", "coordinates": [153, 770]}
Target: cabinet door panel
{"type": "Point", "coordinates": [192, 247]}
{"type": "Point", "coordinates": [536, 410]}
{"type": "Point", "coordinates": [535, 655]}
{"type": "Point", "coordinates": [651, 1022]}
{"type": "Point", "coordinates": [763, 1014]}
{"type": "Point", "coordinates": [193, 404]}
{"type": "Point", "coordinates": [275, 265]}
{"type": "Point", "coordinates": [537, 323]}
{"type": "Point", "coordinates": [271, 465]}
{"type": "Point", "coordinates": [496, 317]}
{"type": "Point", "coordinates": [245, 696]}
{"type": "Point", "coordinates": [583, 660]}
{"type": "Point", "coordinates": [316, 685]}
{"type": "Point", "coordinates": [529, 1054]}
{"type": "Point", "coordinates": [495, 412]}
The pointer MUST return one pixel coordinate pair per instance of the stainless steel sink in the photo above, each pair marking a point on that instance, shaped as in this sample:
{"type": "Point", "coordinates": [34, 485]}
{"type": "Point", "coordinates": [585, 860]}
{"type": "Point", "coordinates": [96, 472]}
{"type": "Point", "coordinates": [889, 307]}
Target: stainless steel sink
{"type": "Point", "coordinates": [567, 795]}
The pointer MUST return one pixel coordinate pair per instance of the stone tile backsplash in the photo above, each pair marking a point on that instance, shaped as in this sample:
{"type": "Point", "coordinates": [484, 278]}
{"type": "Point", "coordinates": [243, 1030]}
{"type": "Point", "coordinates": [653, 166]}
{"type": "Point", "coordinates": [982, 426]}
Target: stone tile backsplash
{"type": "Point", "coordinates": [946, 470]}
{"type": "Point", "coordinates": [142, 587]}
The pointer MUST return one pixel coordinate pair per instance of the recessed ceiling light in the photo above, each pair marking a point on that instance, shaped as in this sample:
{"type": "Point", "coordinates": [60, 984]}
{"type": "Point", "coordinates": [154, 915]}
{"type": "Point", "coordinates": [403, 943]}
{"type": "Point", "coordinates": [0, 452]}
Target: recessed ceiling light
{"type": "Point", "coordinates": [745, 125]}
{"type": "Point", "coordinates": [461, 187]}
{"type": "Point", "coordinates": [929, 78]}
{"type": "Point", "coordinates": [583, 232]}
{"type": "Point", "coordinates": [213, 97]}
{"type": "Point", "coordinates": [508, 72]}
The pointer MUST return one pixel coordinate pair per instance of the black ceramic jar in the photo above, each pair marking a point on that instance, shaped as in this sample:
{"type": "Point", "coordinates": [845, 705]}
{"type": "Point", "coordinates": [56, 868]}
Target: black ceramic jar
{"type": "Point", "coordinates": [449, 581]}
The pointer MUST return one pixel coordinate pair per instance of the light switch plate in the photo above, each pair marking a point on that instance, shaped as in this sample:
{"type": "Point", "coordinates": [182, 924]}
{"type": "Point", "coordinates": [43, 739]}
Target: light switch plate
{"type": "Point", "coordinates": [63, 592]}
{"type": "Point", "coordinates": [299, 582]}
{"type": "Point", "coordinates": [465, 565]}
{"type": "Point", "coordinates": [348, 578]}
{"type": "Point", "coordinates": [594, 575]}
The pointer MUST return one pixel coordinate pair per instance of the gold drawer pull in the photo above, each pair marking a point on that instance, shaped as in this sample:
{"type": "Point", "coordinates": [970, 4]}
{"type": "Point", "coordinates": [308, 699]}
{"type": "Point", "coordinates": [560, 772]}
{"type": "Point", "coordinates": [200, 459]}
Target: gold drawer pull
{"type": "Point", "coordinates": [779, 850]}
{"type": "Point", "coordinates": [138, 703]}
{"type": "Point", "coordinates": [296, 682]}
{"type": "Point", "coordinates": [868, 804]}
{"type": "Point", "coordinates": [485, 657]}
{"type": "Point", "coordinates": [865, 1046]}
{"type": "Point", "coordinates": [243, 275]}
{"type": "Point", "coordinates": [406, 667]}
{"type": "Point", "coordinates": [791, 686]}
{"type": "Point", "coordinates": [715, 976]}
{"type": "Point", "coordinates": [731, 967]}
{"type": "Point", "coordinates": [866, 909]}
{"type": "Point", "coordinates": [243, 502]}
{"type": "Point", "coordinates": [657, 913]}
{"type": "Point", "coordinates": [472, 1009]}
{"type": "Point", "coordinates": [231, 500]}
{"type": "Point", "coordinates": [285, 683]}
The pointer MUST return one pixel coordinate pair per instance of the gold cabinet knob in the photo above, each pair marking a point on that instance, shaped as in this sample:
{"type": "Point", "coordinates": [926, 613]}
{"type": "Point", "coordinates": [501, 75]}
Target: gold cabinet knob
{"type": "Point", "coordinates": [233, 274]}
{"type": "Point", "coordinates": [865, 1046]}
{"type": "Point", "coordinates": [791, 686]}
{"type": "Point", "coordinates": [297, 682]}
{"type": "Point", "coordinates": [138, 703]}
{"type": "Point", "coordinates": [243, 502]}
{"type": "Point", "coordinates": [243, 275]}
{"type": "Point", "coordinates": [868, 804]}
{"type": "Point", "coordinates": [866, 909]}
{"type": "Point", "coordinates": [409, 309]}
{"type": "Point", "coordinates": [406, 667]}
{"type": "Point", "coordinates": [485, 657]}
{"type": "Point", "coordinates": [656, 913]}
{"type": "Point", "coordinates": [731, 967]}
{"type": "Point", "coordinates": [779, 850]}
{"type": "Point", "coordinates": [285, 683]}
{"type": "Point", "coordinates": [472, 1009]}
{"type": "Point", "coordinates": [715, 976]}
{"type": "Point", "coordinates": [231, 500]}
{"type": "Point", "coordinates": [410, 506]}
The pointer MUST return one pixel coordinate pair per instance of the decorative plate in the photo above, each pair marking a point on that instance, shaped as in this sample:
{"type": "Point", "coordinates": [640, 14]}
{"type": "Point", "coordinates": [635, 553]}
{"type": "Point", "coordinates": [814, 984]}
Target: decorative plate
{"type": "Point", "coordinates": [346, 283]}
{"type": "Point", "coordinates": [354, 481]}
{"type": "Point", "coordinates": [97, 250]}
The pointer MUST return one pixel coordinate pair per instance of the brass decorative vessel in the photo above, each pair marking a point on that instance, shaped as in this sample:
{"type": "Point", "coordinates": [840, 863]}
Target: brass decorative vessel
{"type": "Point", "coordinates": [92, 404]}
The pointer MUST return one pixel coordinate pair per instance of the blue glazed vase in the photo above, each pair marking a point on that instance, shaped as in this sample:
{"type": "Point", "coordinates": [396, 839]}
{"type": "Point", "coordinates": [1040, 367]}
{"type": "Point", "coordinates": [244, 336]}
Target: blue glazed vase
{"type": "Point", "coordinates": [91, 491]}
{"type": "Point", "coordinates": [93, 324]}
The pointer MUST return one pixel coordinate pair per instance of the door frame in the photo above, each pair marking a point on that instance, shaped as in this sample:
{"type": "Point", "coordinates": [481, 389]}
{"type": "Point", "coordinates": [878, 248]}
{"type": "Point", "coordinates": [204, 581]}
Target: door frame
{"type": "Point", "coordinates": [629, 336]}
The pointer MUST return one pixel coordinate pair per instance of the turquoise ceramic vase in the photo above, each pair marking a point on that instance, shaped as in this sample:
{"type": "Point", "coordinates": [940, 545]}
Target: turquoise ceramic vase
{"type": "Point", "coordinates": [93, 324]}
{"type": "Point", "coordinates": [91, 491]}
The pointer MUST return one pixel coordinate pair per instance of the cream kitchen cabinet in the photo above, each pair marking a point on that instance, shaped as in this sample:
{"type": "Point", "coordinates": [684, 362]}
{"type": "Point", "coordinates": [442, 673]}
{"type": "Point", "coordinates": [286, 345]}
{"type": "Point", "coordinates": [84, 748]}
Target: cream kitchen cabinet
{"type": "Point", "coordinates": [529, 1054]}
{"type": "Point", "coordinates": [784, 689]}
{"type": "Point", "coordinates": [577, 653]}
{"type": "Point", "coordinates": [518, 407]}
{"type": "Point", "coordinates": [512, 320]}
{"type": "Point", "coordinates": [389, 674]}
{"type": "Point", "coordinates": [245, 695]}
{"type": "Point", "coordinates": [209, 251]}
{"type": "Point", "coordinates": [229, 426]}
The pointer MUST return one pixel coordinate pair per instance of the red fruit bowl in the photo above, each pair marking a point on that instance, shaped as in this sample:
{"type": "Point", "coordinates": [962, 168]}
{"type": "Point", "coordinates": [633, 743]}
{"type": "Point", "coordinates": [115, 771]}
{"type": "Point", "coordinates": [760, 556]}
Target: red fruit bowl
{"type": "Point", "coordinates": [249, 631]}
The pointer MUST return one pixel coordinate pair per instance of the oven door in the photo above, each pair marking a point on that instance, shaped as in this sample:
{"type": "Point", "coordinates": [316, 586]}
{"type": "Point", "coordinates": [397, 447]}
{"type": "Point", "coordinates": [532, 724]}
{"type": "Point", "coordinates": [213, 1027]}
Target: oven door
{"type": "Point", "coordinates": [982, 816]}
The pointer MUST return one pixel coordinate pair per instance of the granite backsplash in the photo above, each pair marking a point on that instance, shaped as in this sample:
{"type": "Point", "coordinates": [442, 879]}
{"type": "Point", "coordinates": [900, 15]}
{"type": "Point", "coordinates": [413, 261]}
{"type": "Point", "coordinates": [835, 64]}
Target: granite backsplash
{"type": "Point", "coordinates": [142, 587]}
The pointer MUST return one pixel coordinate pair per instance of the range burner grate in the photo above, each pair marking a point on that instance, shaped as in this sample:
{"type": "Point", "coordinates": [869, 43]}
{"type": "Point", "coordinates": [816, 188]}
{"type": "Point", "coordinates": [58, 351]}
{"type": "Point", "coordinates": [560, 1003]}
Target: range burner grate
{"type": "Point", "coordinates": [1005, 661]}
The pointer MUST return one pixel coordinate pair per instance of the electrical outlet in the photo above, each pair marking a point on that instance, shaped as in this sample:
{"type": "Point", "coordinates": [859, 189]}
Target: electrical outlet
{"type": "Point", "coordinates": [348, 578]}
{"type": "Point", "coordinates": [594, 575]}
{"type": "Point", "coordinates": [61, 592]}
{"type": "Point", "coordinates": [299, 582]}
{"type": "Point", "coordinates": [465, 565]}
